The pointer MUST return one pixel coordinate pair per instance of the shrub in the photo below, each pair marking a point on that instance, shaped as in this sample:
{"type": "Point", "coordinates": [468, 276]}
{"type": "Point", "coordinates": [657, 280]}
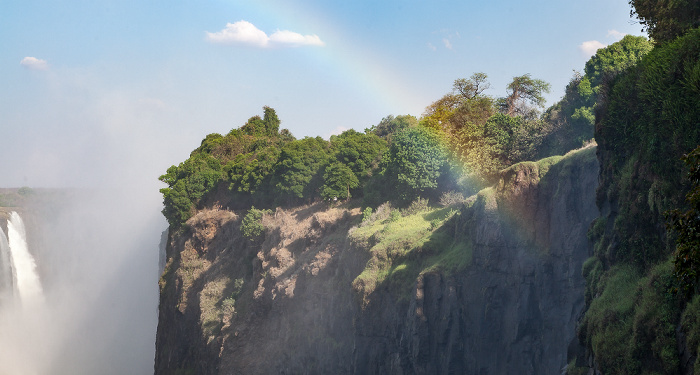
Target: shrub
{"type": "Point", "coordinates": [418, 205]}
{"type": "Point", "coordinates": [395, 215]}
{"type": "Point", "coordinates": [367, 214]}
{"type": "Point", "coordinates": [382, 212]}
{"type": "Point", "coordinates": [450, 198]}
{"type": "Point", "coordinates": [251, 226]}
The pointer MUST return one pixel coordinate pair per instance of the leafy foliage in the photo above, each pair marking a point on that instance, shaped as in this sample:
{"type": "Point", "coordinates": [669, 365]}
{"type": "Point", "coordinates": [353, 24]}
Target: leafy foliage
{"type": "Point", "coordinates": [648, 119]}
{"type": "Point", "coordinates": [665, 20]}
{"type": "Point", "coordinates": [267, 126]}
{"type": "Point", "coordinates": [391, 125]}
{"type": "Point", "coordinates": [251, 225]}
{"type": "Point", "coordinates": [413, 163]}
{"type": "Point", "coordinates": [482, 139]}
{"type": "Point", "coordinates": [524, 90]}
{"type": "Point", "coordinates": [296, 175]}
{"type": "Point", "coordinates": [610, 61]}
{"type": "Point", "coordinates": [686, 225]}
{"type": "Point", "coordinates": [187, 184]}
{"type": "Point", "coordinates": [649, 122]}
{"type": "Point", "coordinates": [338, 180]}
{"type": "Point", "coordinates": [360, 152]}
{"type": "Point", "coordinates": [570, 122]}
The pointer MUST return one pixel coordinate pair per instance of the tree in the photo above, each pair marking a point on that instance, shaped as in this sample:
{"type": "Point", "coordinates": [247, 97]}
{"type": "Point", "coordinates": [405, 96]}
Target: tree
{"type": "Point", "coordinates": [472, 87]}
{"type": "Point", "coordinates": [391, 125]}
{"type": "Point", "coordinates": [521, 91]}
{"type": "Point", "coordinates": [570, 122]}
{"type": "Point", "coordinates": [271, 121]}
{"type": "Point", "coordinates": [464, 105]}
{"type": "Point", "coordinates": [338, 180]}
{"type": "Point", "coordinates": [664, 20]}
{"type": "Point", "coordinates": [413, 163]}
{"type": "Point", "coordinates": [187, 184]}
{"type": "Point", "coordinates": [361, 152]}
{"type": "Point", "coordinates": [248, 172]}
{"type": "Point", "coordinates": [613, 59]}
{"type": "Point", "coordinates": [296, 174]}
{"type": "Point", "coordinates": [266, 126]}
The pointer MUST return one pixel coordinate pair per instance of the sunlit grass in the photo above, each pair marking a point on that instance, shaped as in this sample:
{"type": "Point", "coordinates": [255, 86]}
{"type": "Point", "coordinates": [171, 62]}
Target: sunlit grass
{"type": "Point", "coordinates": [403, 248]}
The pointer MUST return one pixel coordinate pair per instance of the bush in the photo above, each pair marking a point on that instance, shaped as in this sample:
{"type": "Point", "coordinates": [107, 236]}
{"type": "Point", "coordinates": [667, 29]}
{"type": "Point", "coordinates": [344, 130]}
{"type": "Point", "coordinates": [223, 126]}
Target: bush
{"type": "Point", "coordinates": [383, 212]}
{"type": "Point", "coordinates": [418, 205]}
{"type": "Point", "coordinates": [367, 214]}
{"type": "Point", "coordinates": [450, 198]}
{"type": "Point", "coordinates": [251, 226]}
{"type": "Point", "coordinates": [395, 215]}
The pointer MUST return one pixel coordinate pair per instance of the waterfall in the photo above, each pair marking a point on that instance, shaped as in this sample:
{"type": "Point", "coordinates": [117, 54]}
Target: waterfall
{"type": "Point", "coordinates": [26, 280]}
{"type": "Point", "coordinates": [7, 274]}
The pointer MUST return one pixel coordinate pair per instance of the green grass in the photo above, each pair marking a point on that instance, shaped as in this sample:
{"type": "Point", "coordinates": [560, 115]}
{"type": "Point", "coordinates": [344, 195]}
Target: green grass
{"type": "Point", "coordinates": [402, 249]}
{"type": "Point", "coordinates": [631, 324]}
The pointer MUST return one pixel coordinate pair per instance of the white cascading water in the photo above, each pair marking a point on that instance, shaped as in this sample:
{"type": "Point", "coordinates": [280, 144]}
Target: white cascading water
{"type": "Point", "coordinates": [26, 279]}
{"type": "Point", "coordinates": [7, 274]}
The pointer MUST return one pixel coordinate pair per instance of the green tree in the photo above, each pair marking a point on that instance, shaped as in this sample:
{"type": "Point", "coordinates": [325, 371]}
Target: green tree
{"type": "Point", "coordinates": [615, 58]}
{"type": "Point", "coordinates": [271, 121]}
{"type": "Point", "coordinates": [187, 184]}
{"type": "Point", "coordinates": [413, 163]}
{"type": "Point", "coordinates": [522, 91]}
{"type": "Point", "coordinates": [251, 225]}
{"type": "Point", "coordinates": [249, 172]}
{"type": "Point", "coordinates": [361, 152]}
{"type": "Point", "coordinates": [338, 180]}
{"type": "Point", "coordinates": [664, 20]}
{"type": "Point", "coordinates": [570, 122]}
{"type": "Point", "coordinates": [391, 125]}
{"type": "Point", "coordinates": [177, 205]}
{"type": "Point", "coordinates": [296, 176]}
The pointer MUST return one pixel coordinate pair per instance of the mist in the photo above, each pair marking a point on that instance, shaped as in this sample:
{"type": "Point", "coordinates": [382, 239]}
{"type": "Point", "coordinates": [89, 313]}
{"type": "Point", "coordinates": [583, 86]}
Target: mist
{"type": "Point", "coordinates": [102, 146]}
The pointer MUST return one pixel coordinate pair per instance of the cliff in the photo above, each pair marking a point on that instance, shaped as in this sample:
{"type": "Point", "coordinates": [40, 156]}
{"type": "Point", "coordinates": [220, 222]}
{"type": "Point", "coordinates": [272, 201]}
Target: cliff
{"type": "Point", "coordinates": [487, 287]}
{"type": "Point", "coordinates": [636, 320]}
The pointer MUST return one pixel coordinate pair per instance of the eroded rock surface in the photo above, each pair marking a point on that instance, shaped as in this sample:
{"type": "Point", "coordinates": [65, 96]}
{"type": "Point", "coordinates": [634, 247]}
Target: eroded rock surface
{"type": "Point", "coordinates": [285, 304]}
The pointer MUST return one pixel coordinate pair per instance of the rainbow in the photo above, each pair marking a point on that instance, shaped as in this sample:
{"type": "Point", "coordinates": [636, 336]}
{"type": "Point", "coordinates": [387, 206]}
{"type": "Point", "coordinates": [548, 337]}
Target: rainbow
{"type": "Point", "coordinates": [357, 65]}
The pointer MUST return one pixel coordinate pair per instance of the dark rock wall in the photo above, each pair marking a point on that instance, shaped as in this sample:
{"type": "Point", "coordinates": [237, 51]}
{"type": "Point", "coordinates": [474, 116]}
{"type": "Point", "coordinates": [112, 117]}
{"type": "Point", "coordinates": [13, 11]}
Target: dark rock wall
{"type": "Point", "coordinates": [514, 310]}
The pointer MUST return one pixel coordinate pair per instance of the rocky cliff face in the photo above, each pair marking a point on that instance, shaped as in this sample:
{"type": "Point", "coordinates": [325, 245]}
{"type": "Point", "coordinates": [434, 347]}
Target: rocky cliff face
{"type": "Point", "coordinates": [286, 304]}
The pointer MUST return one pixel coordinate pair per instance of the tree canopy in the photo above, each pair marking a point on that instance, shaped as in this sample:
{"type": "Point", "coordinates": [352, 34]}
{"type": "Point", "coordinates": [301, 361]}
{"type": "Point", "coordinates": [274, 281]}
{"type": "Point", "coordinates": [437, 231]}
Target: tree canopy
{"type": "Point", "coordinates": [665, 20]}
{"type": "Point", "coordinates": [481, 138]}
{"type": "Point", "coordinates": [413, 162]}
{"type": "Point", "coordinates": [572, 119]}
{"type": "Point", "coordinates": [522, 91]}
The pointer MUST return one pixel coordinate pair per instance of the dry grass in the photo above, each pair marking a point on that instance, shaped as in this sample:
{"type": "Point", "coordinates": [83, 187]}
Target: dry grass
{"type": "Point", "coordinates": [211, 311]}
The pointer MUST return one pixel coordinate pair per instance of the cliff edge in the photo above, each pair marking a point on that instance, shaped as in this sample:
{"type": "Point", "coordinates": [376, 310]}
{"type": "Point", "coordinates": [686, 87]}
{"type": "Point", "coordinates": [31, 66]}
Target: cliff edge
{"type": "Point", "coordinates": [489, 286]}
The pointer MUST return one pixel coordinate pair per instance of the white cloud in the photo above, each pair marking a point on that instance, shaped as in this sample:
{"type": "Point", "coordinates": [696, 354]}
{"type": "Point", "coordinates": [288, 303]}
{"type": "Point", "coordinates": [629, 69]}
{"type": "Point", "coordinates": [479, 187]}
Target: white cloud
{"type": "Point", "coordinates": [447, 43]}
{"type": "Point", "coordinates": [617, 35]}
{"type": "Point", "coordinates": [590, 47]}
{"type": "Point", "coordinates": [34, 63]}
{"type": "Point", "coordinates": [292, 39]}
{"type": "Point", "coordinates": [245, 33]}
{"type": "Point", "coordinates": [432, 47]}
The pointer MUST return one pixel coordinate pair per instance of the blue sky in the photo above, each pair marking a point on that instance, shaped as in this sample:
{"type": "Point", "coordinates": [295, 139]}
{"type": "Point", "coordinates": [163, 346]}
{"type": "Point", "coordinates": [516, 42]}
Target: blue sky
{"type": "Point", "coordinates": [96, 93]}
